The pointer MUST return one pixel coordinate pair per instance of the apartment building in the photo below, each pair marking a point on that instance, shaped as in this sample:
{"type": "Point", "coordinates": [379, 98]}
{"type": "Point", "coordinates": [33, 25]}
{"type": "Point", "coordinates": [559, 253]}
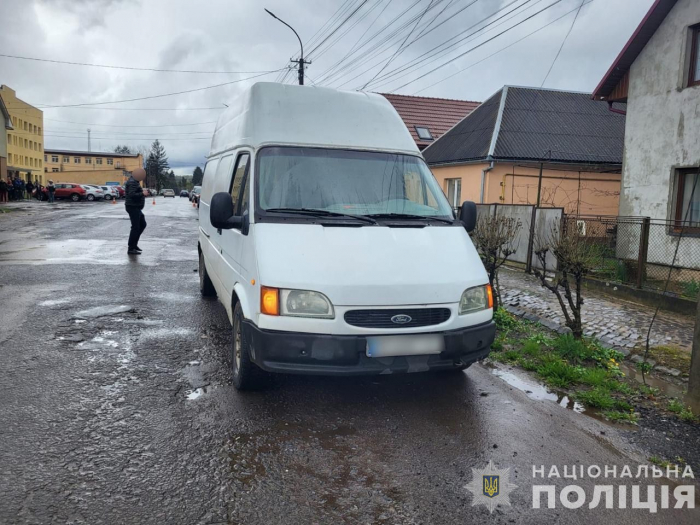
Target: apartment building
{"type": "Point", "coordinates": [25, 142]}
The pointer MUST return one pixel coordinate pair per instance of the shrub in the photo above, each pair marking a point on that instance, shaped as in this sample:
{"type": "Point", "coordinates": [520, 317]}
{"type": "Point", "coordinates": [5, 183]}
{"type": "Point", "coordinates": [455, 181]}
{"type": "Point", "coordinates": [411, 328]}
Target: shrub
{"type": "Point", "coordinates": [571, 348]}
{"type": "Point", "coordinates": [597, 398]}
{"type": "Point", "coordinates": [558, 373]}
{"type": "Point", "coordinates": [505, 322]}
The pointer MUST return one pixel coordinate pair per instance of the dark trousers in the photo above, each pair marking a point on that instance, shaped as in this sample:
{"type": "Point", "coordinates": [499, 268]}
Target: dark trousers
{"type": "Point", "coordinates": [138, 224]}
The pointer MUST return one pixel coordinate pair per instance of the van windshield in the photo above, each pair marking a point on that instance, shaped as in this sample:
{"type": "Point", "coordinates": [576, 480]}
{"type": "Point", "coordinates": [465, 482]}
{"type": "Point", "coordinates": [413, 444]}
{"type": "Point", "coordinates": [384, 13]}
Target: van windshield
{"type": "Point", "coordinates": [348, 182]}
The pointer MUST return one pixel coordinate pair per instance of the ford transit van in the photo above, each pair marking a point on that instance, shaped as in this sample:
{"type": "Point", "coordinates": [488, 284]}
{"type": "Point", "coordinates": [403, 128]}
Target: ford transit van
{"type": "Point", "coordinates": [330, 243]}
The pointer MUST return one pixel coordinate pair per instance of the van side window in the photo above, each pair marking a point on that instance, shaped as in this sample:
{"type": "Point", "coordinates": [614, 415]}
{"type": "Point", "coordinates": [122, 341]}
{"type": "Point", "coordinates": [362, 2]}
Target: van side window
{"type": "Point", "coordinates": [208, 179]}
{"type": "Point", "coordinates": [246, 196]}
{"type": "Point", "coordinates": [238, 174]}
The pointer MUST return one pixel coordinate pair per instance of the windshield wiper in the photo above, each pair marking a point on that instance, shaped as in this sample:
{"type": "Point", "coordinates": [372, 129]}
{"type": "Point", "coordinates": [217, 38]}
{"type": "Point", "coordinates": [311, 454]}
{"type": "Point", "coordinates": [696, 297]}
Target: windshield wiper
{"type": "Point", "coordinates": [322, 213]}
{"type": "Point", "coordinates": [408, 216]}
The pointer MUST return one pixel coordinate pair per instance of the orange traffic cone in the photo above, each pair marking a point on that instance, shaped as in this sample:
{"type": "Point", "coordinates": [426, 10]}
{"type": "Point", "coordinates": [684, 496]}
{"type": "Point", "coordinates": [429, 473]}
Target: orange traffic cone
{"type": "Point", "coordinates": [154, 201]}
{"type": "Point", "coordinates": [194, 205]}
{"type": "Point", "coordinates": [114, 201]}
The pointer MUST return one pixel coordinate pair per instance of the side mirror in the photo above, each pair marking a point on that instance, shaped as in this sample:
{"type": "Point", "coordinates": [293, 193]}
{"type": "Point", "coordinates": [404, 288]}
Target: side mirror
{"type": "Point", "coordinates": [221, 212]}
{"type": "Point", "coordinates": [467, 214]}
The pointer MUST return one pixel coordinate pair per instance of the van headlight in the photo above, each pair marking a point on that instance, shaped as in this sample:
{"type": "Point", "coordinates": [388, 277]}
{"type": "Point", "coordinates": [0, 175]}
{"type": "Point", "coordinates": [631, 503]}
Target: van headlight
{"type": "Point", "coordinates": [295, 303]}
{"type": "Point", "coordinates": [476, 299]}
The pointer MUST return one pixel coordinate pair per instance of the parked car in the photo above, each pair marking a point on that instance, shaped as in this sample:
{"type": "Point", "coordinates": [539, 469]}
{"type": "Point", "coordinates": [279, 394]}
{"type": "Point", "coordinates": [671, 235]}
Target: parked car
{"type": "Point", "coordinates": [194, 196]}
{"type": "Point", "coordinates": [184, 193]}
{"type": "Point", "coordinates": [169, 193]}
{"type": "Point", "coordinates": [110, 192]}
{"type": "Point", "coordinates": [92, 193]}
{"type": "Point", "coordinates": [318, 267]}
{"type": "Point", "coordinates": [66, 190]}
{"type": "Point", "coordinates": [120, 190]}
{"type": "Point", "coordinates": [195, 191]}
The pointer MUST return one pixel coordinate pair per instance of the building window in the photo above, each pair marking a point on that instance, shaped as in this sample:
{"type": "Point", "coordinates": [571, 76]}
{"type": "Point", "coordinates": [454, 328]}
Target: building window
{"type": "Point", "coordinates": [76, 160]}
{"type": "Point", "coordinates": [39, 130]}
{"type": "Point", "coordinates": [423, 133]}
{"type": "Point", "coordinates": [88, 160]}
{"type": "Point", "coordinates": [54, 158]}
{"type": "Point", "coordinates": [55, 170]}
{"type": "Point", "coordinates": [688, 198]}
{"type": "Point", "coordinates": [454, 192]}
{"type": "Point", "coordinates": [98, 161]}
{"type": "Point", "coordinates": [66, 159]}
{"type": "Point", "coordinates": [110, 161]}
{"type": "Point", "coordinates": [694, 73]}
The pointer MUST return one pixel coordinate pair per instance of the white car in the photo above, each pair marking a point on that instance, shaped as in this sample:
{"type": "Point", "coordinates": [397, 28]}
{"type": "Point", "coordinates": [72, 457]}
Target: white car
{"type": "Point", "coordinates": [92, 193]}
{"type": "Point", "coordinates": [168, 193]}
{"type": "Point", "coordinates": [338, 254]}
{"type": "Point", "coordinates": [110, 192]}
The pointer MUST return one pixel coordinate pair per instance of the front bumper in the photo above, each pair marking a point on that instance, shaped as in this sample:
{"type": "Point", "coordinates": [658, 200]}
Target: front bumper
{"type": "Point", "coordinates": [301, 353]}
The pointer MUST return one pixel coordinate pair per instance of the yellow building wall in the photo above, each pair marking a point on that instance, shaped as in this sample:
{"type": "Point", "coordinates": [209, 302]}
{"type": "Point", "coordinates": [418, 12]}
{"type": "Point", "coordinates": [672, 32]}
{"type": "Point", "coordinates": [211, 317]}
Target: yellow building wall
{"type": "Point", "coordinates": [98, 177]}
{"type": "Point", "coordinates": [65, 161]}
{"type": "Point", "coordinates": [25, 143]}
{"type": "Point", "coordinates": [579, 193]}
{"type": "Point", "coordinates": [470, 175]}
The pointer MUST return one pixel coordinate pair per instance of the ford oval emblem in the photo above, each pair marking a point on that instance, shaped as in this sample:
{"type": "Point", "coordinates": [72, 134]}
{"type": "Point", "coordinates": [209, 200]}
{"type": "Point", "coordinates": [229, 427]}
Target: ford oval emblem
{"type": "Point", "coordinates": [401, 319]}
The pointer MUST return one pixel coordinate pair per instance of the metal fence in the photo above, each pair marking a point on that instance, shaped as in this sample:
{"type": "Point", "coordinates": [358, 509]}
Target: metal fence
{"type": "Point", "coordinates": [639, 251]}
{"type": "Point", "coordinates": [635, 251]}
{"type": "Point", "coordinates": [546, 220]}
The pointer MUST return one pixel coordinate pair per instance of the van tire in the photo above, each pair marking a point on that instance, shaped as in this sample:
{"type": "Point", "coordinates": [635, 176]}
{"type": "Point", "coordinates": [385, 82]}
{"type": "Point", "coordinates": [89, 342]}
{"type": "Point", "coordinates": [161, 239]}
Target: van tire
{"type": "Point", "coordinates": [245, 374]}
{"type": "Point", "coordinates": [206, 287]}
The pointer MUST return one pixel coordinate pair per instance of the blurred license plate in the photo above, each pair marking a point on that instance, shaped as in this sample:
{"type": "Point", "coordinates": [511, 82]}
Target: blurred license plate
{"type": "Point", "coordinates": [396, 345]}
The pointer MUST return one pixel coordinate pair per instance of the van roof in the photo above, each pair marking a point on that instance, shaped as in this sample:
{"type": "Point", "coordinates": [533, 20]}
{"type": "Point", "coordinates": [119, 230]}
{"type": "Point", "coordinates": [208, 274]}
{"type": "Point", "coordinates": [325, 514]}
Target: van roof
{"type": "Point", "coordinates": [272, 113]}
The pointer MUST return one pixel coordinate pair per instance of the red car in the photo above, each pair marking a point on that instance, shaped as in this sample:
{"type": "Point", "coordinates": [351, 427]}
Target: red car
{"type": "Point", "coordinates": [122, 191]}
{"type": "Point", "coordinates": [67, 190]}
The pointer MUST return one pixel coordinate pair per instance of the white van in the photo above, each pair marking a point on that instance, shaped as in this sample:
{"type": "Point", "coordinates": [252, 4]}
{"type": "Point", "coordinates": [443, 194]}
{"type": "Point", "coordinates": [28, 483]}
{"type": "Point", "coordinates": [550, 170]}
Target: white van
{"type": "Point", "coordinates": [331, 244]}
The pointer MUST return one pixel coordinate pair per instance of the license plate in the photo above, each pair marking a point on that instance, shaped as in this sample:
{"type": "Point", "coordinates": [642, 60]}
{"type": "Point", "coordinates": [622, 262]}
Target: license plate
{"type": "Point", "coordinates": [398, 345]}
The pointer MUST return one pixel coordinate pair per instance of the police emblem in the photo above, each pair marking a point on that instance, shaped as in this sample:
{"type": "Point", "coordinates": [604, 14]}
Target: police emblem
{"type": "Point", "coordinates": [490, 486]}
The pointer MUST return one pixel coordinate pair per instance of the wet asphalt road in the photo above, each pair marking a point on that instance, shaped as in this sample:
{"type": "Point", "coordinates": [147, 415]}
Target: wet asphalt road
{"type": "Point", "coordinates": [115, 405]}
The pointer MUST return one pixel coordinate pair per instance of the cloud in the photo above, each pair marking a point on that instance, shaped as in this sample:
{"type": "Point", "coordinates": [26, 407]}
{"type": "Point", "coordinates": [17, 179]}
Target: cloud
{"type": "Point", "coordinates": [221, 35]}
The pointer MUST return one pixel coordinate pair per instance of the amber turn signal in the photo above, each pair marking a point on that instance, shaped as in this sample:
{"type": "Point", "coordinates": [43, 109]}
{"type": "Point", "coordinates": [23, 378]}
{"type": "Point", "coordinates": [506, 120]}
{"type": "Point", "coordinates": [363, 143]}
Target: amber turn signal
{"type": "Point", "coordinates": [489, 294]}
{"type": "Point", "coordinates": [269, 301]}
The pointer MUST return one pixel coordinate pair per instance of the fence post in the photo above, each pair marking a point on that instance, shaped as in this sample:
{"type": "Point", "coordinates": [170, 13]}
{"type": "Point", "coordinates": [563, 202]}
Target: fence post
{"type": "Point", "coordinates": [643, 251]}
{"type": "Point", "coordinates": [531, 240]}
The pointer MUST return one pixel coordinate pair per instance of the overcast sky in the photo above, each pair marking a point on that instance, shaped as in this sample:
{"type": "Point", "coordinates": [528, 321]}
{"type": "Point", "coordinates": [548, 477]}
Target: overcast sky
{"type": "Point", "coordinates": [237, 35]}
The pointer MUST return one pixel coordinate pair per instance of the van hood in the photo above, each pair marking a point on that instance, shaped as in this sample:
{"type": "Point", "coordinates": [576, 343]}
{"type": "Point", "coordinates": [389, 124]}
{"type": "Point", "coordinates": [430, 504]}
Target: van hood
{"type": "Point", "coordinates": [369, 266]}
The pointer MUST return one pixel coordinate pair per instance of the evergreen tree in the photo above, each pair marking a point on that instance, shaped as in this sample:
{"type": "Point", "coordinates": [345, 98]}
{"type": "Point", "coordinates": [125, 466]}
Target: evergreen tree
{"type": "Point", "coordinates": [122, 149]}
{"type": "Point", "coordinates": [197, 176]}
{"type": "Point", "coordinates": [157, 166]}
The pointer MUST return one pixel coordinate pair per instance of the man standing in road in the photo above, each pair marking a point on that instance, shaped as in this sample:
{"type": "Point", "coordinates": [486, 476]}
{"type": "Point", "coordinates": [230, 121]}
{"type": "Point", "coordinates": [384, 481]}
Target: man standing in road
{"type": "Point", "coordinates": [134, 202]}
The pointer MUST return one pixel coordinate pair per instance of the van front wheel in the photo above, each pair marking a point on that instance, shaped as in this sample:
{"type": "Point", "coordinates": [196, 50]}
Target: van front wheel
{"type": "Point", "coordinates": [245, 374]}
{"type": "Point", "coordinates": [205, 284]}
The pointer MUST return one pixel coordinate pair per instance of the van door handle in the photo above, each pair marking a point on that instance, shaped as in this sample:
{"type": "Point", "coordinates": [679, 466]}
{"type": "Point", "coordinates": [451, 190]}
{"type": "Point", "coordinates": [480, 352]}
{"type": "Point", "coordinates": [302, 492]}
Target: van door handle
{"type": "Point", "coordinates": [205, 233]}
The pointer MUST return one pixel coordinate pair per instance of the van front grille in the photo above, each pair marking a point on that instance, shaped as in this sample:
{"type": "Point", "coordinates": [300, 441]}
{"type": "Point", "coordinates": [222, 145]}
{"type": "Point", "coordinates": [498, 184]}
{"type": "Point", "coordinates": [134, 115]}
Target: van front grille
{"type": "Point", "coordinates": [383, 318]}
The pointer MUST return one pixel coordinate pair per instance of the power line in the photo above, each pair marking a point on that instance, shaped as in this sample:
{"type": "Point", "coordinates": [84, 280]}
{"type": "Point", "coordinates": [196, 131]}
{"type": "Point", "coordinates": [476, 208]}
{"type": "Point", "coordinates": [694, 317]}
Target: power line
{"type": "Point", "coordinates": [337, 28]}
{"type": "Point", "coordinates": [499, 51]}
{"type": "Point", "coordinates": [476, 46]}
{"type": "Point", "coordinates": [43, 106]}
{"type": "Point", "coordinates": [85, 64]}
{"type": "Point", "coordinates": [395, 74]}
{"type": "Point", "coordinates": [334, 66]}
{"type": "Point", "coordinates": [400, 48]}
{"type": "Point", "coordinates": [562, 44]}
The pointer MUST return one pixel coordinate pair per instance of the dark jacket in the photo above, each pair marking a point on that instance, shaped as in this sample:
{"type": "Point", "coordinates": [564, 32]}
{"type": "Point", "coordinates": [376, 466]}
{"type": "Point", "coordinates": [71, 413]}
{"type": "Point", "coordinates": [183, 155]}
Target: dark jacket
{"type": "Point", "coordinates": [134, 194]}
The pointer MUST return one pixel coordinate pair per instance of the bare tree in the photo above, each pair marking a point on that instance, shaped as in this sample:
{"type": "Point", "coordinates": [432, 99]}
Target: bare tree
{"type": "Point", "coordinates": [493, 237]}
{"type": "Point", "coordinates": [575, 258]}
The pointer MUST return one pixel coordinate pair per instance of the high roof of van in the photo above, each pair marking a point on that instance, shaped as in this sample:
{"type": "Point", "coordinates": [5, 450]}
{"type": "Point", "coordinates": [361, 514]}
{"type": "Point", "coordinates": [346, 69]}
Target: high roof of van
{"type": "Point", "coordinates": [271, 113]}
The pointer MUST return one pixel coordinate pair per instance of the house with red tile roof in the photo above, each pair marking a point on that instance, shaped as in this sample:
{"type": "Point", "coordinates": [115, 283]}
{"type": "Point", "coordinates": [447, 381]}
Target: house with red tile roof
{"type": "Point", "coordinates": [429, 118]}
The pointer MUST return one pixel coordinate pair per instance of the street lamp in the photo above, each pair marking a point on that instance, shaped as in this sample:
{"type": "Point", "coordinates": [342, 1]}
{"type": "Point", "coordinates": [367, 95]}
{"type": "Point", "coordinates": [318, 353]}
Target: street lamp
{"type": "Point", "coordinates": [301, 60]}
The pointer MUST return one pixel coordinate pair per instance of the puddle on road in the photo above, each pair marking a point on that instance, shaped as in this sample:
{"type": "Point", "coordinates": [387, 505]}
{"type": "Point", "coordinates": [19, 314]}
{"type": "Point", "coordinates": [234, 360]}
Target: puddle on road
{"type": "Point", "coordinates": [196, 393]}
{"type": "Point", "coordinates": [539, 391]}
{"type": "Point", "coordinates": [102, 311]}
{"type": "Point", "coordinates": [54, 302]}
{"type": "Point", "coordinates": [665, 387]}
{"type": "Point", "coordinates": [162, 333]}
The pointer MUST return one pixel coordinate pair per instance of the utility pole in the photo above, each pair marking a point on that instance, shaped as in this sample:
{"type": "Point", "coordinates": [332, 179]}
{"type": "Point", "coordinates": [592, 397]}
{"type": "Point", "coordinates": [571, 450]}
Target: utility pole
{"type": "Point", "coordinates": [89, 140]}
{"type": "Point", "coordinates": [301, 60]}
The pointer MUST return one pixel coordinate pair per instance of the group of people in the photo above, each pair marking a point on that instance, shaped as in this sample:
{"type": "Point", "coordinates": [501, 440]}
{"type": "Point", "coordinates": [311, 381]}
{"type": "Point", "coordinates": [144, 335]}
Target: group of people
{"type": "Point", "coordinates": [16, 189]}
